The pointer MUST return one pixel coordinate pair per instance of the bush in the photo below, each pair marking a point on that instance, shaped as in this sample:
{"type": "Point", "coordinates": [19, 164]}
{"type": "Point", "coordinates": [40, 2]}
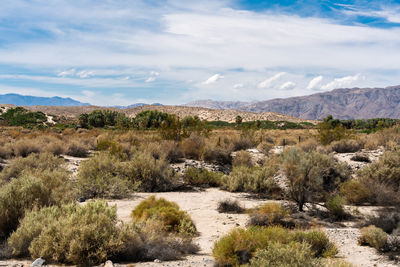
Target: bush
{"type": "Point", "coordinates": [265, 147]}
{"type": "Point", "coordinates": [217, 154]}
{"type": "Point", "coordinates": [388, 221]}
{"type": "Point", "coordinates": [255, 180]}
{"type": "Point", "coordinates": [373, 236]}
{"type": "Point", "coordinates": [192, 147]}
{"type": "Point", "coordinates": [284, 255]}
{"type": "Point", "coordinates": [239, 246]}
{"type": "Point", "coordinates": [268, 214]}
{"type": "Point", "coordinates": [242, 158]}
{"type": "Point", "coordinates": [245, 141]}
{"type": "Point", "coordinates": [392, 244]}
{"type": "Point", "coordinates": [173, 219]}
{"type": "Point", "coordinates": [90, 234]}
{"type": "Point", "coordinates": [77, 149]}
{"type": "Point", "coordinates": [201, 177]}
{"type": "Point", "coordinates": [20, 195]}
{"type": "Point", "coordinates": [355, 192]}
{"type": "Point", "coordinates": [106, 176]}
{"type": "Point", "coordinates": [347, 146]}
{"type": "Point", "coordinates": [102, 176]}
{"type": "Point", "coordinates": [24, 147]}
{"type": "Point", "coordinates": [311, 176]}
{"type": "Point", "coordinates": [229, 206]}
{"type": "Point", "coordinates": [335, 206]}
{"type": "Point", "coordinates": [33, 163]}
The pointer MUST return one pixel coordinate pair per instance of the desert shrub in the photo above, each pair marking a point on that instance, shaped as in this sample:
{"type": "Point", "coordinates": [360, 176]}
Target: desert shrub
{"type": "Point", "coordinates": [386, 170]}
{"type": "Point", "coordinates": [218, 154]}
{"type": "Point", "coordinates": [149, 174]}
{"type": "Point", "coordinates": [335, 206]}
{"type": "Point", "coordinates": [239, 246]}
{"type": "Point", "coordinates": [245, 141]}
{"type": "Point", "coordinates": [54, 147]}
{"type": "Point", "coordinates": [192, 147]}
{"type": "Point", "coordinates": [311, 176]}
{"type": "Point", "coordinates": [284, 255]}
{"type": "Point", "coordinates": [361, 158]}
{"type": "Point", "coordinates": [267, 215]}
{"type": "Point", "coordinates": [355, 192]}
{"type": "Point", "coordinates": [166, 149]}
{"type": "Point", "coordinates": [254, 179]}
{"type": "Point", "coordinates": [265, 147]}
{"type": "Point", "coordinates": [77, 149]}
{"type": "Point", "coordinates": [17, 196]}
{"type": "Point", "coordinates": [102, 176]}
{"type": "Point", "coordinates": [388, 221]}
{"type": "Point", "coordinates": [6, 150]}
{"type": "Point", "coordinates": [172, 218]}
{"type": "Point", "coordinates": [242, 158]}
{"type": "Point", "coordinates": [347, 146]}
{"type": "Point", "coordinates": [24, 147]}
{"type": "Point", "coordinates": [32, 163]}
{"type": "Point", "coordinates": [90, 234]}
{"type": "Point", "coordinates": [83, 235]}
{"type": "Point", "coordinates": [229, 206]}
{"type": "Point", "coordinates": [308, 145]}
{"type": "Point", "coordinates": [201, 177]}
{"type": "Point", "coordinates": [373, 236]}
{"type": "Point", "coordinates": [5, 250]}
{"type": "Point", "coordinates": [147, 241]}
{"type": "Point", "coordinates": [320, 244]}
{"type": "Point", "coordinates": [392, 244]}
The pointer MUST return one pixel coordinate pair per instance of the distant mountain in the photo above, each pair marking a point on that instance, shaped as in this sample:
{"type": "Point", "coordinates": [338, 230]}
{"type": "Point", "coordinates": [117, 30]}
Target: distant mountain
{"type": "Point", "coordinates": [136, 105]}
{"type": "Point", "coordinates": [23, 100]}
{"type": "Point", "coordinates": [354, 103]}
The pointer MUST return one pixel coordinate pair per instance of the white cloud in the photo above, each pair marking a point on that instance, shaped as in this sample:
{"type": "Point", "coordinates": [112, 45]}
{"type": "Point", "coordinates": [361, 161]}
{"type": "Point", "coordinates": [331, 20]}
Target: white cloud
{"type": "Point", "coordinates": [314, 82]}
{"type": "Point", "coordinates": [88, 93]}
{"type": "Point", "coordinates": [238, 86]}
{"type": "Point", "coordinates": [150, 79]}
{"type": "Point", "coordinates": [288, 86]}
{"type": "Point", "coordinates": [268, 82]}
{"type": "Point", "coordinates": [85, 74]}
{"type": "Point", "coordinates": [391, 15]}
{"type": "Point", "coordinates": [341, 82]}
{"type": "Point", "coordinates": [154, 73]}
{"type": "Point", "coordinates": [66, 73]}
{"type": "Point", "coordinates": [213, 79]}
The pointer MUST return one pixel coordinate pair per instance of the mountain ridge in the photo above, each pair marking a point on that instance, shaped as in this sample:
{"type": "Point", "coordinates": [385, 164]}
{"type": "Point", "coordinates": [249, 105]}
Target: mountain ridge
{"type": "Point", "coordinates": [27, 100]}
{"type": "Point", "coordinates": [342, 103]}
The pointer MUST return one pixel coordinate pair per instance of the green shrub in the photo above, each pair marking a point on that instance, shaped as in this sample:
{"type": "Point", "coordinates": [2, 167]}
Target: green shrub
{"type": "Point", "coordinates": [373, 236]}
{"type": "Point", "coordinates": [268, 214]}
{"type": "Point", "coordinates": [320, 244]}
{"type": "Point", "coordinates": [355, 191]}
{"type": "Point", "coordinates": [285, 255]}
{"type": "Point", "coordinates": [173, 219]}
{"type": "Point", "coordinates": [201, 177]}
{"type": "Point", "coordinates": [311, 176]}
{"type": "Point", "coordinates": [91, 234]}
{"type": "Point", "coordinates": [102, 176]}
{"type": "Point", "coordinates": [107, 176]}
{"type": "Point", "coordinates": [34, 163]}
{"type": "Point", "coordinates": [347, 146]}
{"type": "Point", "coordinates": [239, 246]}
{"type": "Point", "coordinates": [335, 206]}
{"type": "Point", "coordinates": [17, 196]}
{"type": "Point", "coordinates": [255, 180]}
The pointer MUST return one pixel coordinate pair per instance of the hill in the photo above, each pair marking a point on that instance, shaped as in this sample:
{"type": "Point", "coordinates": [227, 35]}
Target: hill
{"type": "Point", "coordinates": [349, 103]}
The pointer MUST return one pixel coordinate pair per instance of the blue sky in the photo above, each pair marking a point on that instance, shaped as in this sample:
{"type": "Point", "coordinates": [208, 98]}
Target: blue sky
{"type": "Point", "coordinates": [173, 51]}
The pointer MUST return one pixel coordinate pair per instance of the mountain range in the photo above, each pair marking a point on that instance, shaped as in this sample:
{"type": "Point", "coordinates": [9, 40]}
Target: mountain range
{"type": "Point", "coordinates": [349, 103]}
{"type": "Point", "coordinates": [23, 100]}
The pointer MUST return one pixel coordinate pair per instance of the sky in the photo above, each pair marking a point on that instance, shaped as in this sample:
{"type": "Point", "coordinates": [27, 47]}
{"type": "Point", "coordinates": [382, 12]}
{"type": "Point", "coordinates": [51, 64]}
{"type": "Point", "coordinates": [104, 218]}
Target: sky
{"type": "Point", "coordinates": [120, 52]}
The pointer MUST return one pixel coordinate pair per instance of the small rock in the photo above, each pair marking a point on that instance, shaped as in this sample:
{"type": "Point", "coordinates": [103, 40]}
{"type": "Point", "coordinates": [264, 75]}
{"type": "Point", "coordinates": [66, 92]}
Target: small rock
{"type": "Point", "coordinates": [38, 262]}
{"type": "Point", "coordinates": [108, 264]}
{"type": "Point", "coordinates": [157, 261]}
